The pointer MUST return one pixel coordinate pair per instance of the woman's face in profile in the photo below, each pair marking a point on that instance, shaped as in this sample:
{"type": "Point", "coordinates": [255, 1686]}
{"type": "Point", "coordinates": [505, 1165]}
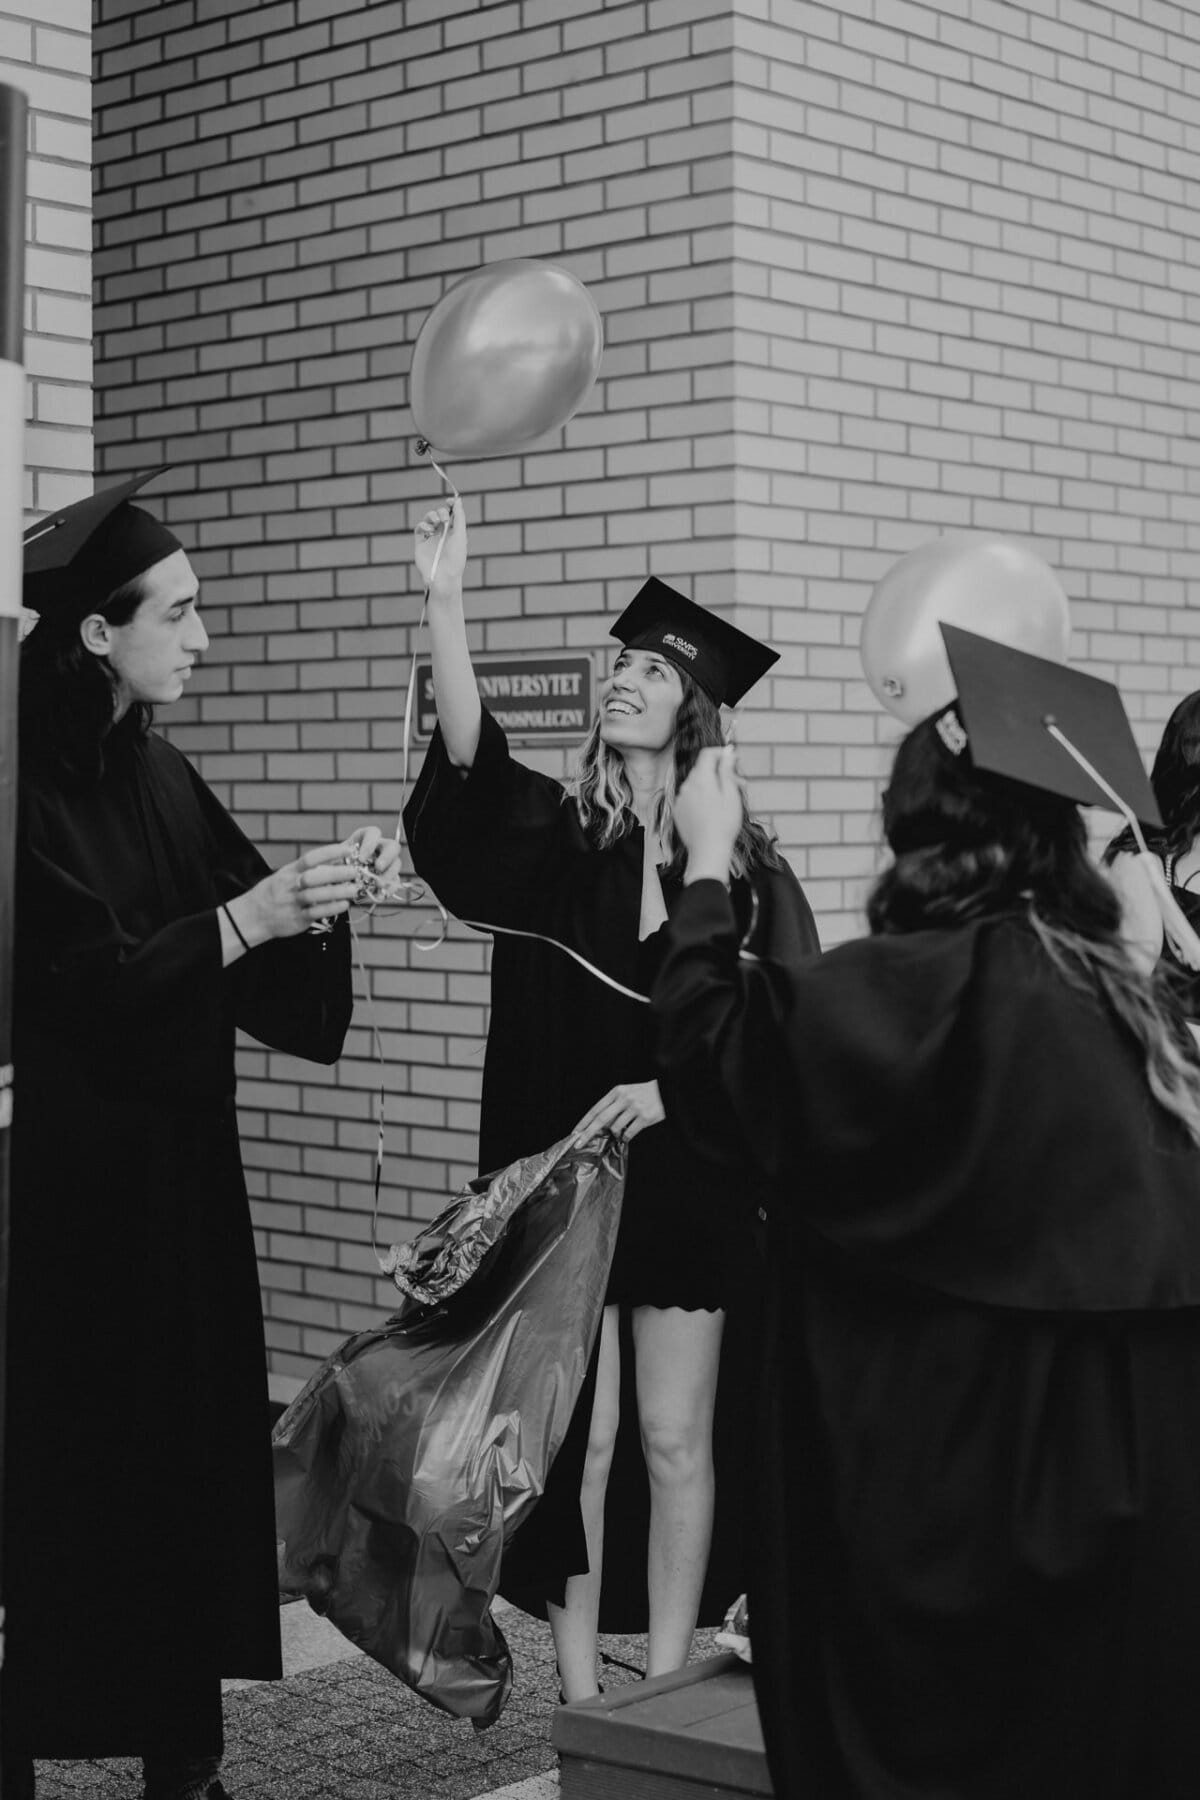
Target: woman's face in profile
{"type": "Point", "coordinates": [639, 702]}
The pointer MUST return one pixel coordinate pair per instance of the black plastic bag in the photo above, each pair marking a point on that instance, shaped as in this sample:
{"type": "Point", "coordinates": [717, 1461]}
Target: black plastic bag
{"type": "Point", "coordinates": [418, 1448]}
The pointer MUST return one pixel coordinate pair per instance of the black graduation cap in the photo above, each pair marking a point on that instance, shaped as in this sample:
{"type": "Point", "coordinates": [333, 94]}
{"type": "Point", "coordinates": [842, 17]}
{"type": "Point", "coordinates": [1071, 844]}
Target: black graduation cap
{"type": "Point", "coordinates": [1012, 703]}
{"type": "Point", "coordinates": [76, 557]}
{"type": "Point", "coordinates": [724, 661]}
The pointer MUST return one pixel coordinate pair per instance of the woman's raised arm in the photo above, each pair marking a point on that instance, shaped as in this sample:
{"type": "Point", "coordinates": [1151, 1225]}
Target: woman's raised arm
{"type": "Point", "coordinates": [455, 690]}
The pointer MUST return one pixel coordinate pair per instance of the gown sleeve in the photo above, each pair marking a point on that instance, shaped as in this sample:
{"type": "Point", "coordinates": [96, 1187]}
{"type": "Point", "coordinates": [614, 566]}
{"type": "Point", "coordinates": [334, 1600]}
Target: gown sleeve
{"type": "Point", "coordinates": [721, 1049]}
{"type": "Point", "coordinates": [780, 929]}
{"type": "Point", "coordinates": [292, 994]}
{"type": "Point", "coordinates": [85, 963]}
{"type": "Point", "coordinates": [295, 994]}
{"type": "Point", "coordinates": [89, 978]}
{"type": "Point", "coordinates": [97, 1001]}
{"type": "Point", "coordinates": [488, 840]}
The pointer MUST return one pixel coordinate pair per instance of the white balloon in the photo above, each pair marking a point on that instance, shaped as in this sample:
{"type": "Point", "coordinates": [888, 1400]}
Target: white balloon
{"type": "Point", "coordinates": [993, 586]}
{"type": "Point", "coordinates": [508, 354]}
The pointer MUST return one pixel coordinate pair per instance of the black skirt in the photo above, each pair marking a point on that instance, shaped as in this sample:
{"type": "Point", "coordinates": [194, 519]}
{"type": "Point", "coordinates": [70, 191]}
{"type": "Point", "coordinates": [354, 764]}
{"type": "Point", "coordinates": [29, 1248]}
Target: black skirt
{"type": "Point", "coordinates": [687, 1228]}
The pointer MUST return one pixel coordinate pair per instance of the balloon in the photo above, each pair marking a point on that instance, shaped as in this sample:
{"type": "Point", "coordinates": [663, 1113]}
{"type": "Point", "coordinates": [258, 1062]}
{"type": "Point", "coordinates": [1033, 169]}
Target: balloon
{"type": "Point", "coordinates": [993, 586]}
{"type": "Point", "coordinates": [507, 354]}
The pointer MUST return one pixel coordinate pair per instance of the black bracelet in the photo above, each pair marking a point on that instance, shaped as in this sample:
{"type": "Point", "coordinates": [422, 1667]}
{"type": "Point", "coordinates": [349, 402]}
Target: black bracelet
{"type": "Point", "coordinates": [234, 923]}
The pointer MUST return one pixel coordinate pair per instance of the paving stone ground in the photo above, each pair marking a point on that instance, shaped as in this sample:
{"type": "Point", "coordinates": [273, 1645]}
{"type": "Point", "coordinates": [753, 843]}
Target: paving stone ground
{"type": "Point", "coordinates": [350, 1731]}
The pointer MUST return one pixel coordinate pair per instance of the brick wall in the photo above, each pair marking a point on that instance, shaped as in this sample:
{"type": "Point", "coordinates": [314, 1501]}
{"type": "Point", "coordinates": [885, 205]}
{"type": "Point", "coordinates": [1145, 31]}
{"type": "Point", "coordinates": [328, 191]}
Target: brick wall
{"type": "Point", "coordinates": [968, 260]}
{"type": "Point", "coordinates": [862, 282]}
{"type": "Point", "coordinates": [45, 49]}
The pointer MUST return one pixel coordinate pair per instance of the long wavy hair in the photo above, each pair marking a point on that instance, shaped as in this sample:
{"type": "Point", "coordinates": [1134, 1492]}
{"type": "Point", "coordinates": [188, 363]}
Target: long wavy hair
{"type": "Point", "coordinates": [604, 799]}
{"type": "Point", "coordinates": [967, 846]}
{"type": "Point", "coordinates": [1175, 776]}
{"type": "Point", "coordinates": [67, 695]}
{"type": "Point", "coordinates": [1175, 779]}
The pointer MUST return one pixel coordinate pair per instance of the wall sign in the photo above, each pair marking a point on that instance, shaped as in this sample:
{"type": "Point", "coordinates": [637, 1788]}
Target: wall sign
{"type": "Point", "coordinates": [535, 697]}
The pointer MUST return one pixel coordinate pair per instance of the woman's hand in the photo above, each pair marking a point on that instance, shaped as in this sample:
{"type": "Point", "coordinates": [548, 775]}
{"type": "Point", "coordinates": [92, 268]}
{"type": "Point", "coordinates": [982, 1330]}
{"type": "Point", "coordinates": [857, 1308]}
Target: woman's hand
{"type": "Point", "coordinates": [379, 854]}
{"type": "Point", "coordinates": [318, 885]}
{"type": "Point", "coordinates": [708, 814]}
{"type": "Point", "coordinates": [454, 686]}
{"type": "Point", "coordinates": [625, 1110]}
{"type": "Point", "coordinates": [447, 578]}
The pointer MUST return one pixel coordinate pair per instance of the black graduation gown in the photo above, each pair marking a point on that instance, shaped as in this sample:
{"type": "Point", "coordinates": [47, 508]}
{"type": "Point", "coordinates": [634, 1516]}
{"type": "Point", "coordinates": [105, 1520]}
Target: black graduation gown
{"type": "Point", "coordinates": [503, 845]}
{"type": "Point", "coordinates": [139, 1508]}
{"type": "Point", "coordinates": [979, 1480]}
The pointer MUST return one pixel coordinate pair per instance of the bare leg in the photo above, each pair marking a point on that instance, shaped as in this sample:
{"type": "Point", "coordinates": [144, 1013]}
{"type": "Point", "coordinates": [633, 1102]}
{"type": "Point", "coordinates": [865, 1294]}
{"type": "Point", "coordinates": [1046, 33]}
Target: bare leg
{"type": "Point", "coordinates": [678, 1354]}
{"type": "Point", "coordinates": [574, 1624]}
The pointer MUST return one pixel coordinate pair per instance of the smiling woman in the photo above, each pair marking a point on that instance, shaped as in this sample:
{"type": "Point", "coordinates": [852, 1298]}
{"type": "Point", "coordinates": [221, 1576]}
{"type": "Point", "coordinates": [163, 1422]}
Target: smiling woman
{"type": "Point", "coordinates": [599, 868]}
{"type": "Point", "coordinates": [639, 701]}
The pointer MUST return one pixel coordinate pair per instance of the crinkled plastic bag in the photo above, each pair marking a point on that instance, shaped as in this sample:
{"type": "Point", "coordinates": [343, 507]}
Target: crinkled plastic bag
{"type": "Point", "coordinates": [443, 1258]}
{"type": "Point", "coordinates": [419, 1447]}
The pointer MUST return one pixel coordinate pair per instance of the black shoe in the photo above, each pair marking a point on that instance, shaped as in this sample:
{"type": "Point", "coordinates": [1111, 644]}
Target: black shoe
{"type": "Point", "coordinates": [17, 1778]}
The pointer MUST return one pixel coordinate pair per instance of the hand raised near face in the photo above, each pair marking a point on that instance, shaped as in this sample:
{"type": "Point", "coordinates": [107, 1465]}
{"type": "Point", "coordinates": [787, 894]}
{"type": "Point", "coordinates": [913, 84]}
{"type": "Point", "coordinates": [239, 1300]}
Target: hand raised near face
{"type": "Point", "coordinates": [708, 813]}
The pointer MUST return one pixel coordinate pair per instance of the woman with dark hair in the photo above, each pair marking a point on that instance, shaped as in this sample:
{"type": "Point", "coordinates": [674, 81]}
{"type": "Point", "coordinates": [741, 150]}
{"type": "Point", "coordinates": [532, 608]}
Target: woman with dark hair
{"type": "Point", "coordinates": [1175, 779]}
{"type": "Point", "coordinates": [597, 868]}
{"type": "Point", "coordinates": [138, 1499]}
{"type": "Point", "coordinates": [978, 1572]}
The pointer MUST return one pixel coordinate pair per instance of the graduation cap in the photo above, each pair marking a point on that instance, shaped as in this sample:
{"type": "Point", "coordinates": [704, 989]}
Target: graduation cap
{"type": "Point", "coordinates": [1021, 713]}
{"type": "Point", "coordinates": [75, 558]}
{"type": "Point", "coordinates": [722, 660]}
{"type": "Point", "coordinates": [1063, 732]}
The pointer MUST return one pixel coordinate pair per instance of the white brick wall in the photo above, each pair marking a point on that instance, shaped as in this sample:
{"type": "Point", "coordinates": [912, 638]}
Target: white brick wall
{"type": "Point", "coordinates": [869, 273]}
{"type": "Point", "coordinates": [45, 49]}
{"type": "Point", "coordinates": [968, 298]}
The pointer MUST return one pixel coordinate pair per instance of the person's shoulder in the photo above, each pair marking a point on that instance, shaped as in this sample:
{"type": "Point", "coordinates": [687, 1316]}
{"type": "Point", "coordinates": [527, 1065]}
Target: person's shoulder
{"type": "Point", "coordinates": [779, 875]}
{"type": "Point", "coordinates": [777, 881]}
{"type": "Point", "coordinates": [39, 778]}
{"type": "Point", "coordinates": [1008, 936]}
{"type": "Point", "coordinates": [43, 800]}
{"type": "Point", "coordinates": [893, 989]}
{"type": "Point", "coordinates": [161, 753]}
{"type": "Point", "coordinates": [999, 960]}
{"type": "Point", "coordinates": [155, 744]}
{"type": "Point", "coordinates": [772, 907]}
{"type": "Point", "coordinates": [178, 775]}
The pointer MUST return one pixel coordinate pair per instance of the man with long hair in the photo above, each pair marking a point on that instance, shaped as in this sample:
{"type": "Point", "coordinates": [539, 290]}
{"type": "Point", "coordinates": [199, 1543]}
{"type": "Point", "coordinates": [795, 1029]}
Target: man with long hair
{"type": "Point", "coordinates": [140, 1544]}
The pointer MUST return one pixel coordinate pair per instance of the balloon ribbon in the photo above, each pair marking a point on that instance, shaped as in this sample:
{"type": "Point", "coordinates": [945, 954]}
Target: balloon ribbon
{"type": "Point", "coordinates": [407, 887]}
